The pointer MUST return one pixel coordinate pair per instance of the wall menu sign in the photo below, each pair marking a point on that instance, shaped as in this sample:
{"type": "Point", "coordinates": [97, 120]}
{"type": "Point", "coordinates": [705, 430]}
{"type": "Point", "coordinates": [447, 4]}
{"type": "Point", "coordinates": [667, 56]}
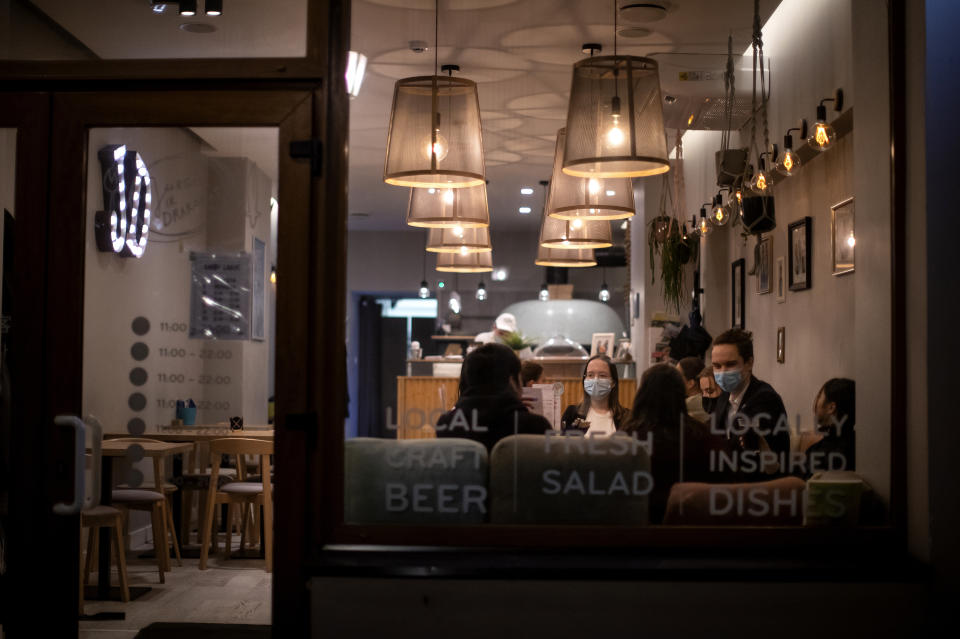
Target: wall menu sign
{"type": "Point", "coordinates": [124, 225]}
{"type": "Point", "coordinates": [220, 295]}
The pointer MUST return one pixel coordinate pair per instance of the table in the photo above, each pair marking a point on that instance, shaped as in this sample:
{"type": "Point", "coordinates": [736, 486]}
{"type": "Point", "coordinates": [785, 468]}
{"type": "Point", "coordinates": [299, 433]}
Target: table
{"type": "Point", "coordinates": [195, 435]}
{"type": "Point", "coordinates": [110, 448]}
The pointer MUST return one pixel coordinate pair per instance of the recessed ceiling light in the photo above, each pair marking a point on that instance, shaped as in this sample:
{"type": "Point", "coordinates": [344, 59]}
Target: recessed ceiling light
{"type": "Point", "coordinates": [524, 210]}
{"type": "Point", "coordinates": [197, 27]}
{"type": "Point", "coordinates": [526, 191]}
{"type": "Point", "coordinates": [643, 11]}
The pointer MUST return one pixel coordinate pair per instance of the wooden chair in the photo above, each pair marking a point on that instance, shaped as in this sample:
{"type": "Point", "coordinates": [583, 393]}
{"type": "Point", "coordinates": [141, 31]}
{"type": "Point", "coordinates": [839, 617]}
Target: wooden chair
{"type": "Point", "coordinates": [166, 512]}
{"type": "Point", "coordinates": [94, 519]}
{"type": "Point", "coordinates": [239, 493]}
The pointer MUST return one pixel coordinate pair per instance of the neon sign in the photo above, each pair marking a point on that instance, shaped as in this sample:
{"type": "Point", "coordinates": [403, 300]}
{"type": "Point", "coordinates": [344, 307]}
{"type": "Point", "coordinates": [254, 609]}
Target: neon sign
{"type": "Point", "coordinates": [124, 225]}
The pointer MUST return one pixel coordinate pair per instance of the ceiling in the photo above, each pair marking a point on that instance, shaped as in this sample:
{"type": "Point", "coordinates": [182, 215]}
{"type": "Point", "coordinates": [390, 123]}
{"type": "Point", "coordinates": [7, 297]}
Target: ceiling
{"type": "Point", "coordinates": [520, 53]}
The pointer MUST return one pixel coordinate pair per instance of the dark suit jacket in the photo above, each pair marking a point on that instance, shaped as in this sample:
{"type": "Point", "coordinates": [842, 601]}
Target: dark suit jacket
{"type": "Point", "coordinates": [759, 399]}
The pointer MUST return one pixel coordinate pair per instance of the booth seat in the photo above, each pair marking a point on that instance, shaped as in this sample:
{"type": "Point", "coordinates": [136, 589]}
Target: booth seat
{"type": "Point", "coordinates": [537, 479]}
{"type": "Point", "coordinates": [415, 481]}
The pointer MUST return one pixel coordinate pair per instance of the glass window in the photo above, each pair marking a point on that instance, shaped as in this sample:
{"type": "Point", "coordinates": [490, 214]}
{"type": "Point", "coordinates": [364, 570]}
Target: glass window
{"type": "Point", "coordinates": [146, 30]}
{"type": "Point", "coordinates": [735, 359]}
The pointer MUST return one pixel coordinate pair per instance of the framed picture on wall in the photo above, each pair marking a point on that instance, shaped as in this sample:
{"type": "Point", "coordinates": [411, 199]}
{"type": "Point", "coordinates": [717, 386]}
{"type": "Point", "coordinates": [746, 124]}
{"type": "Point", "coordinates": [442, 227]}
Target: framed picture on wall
{"type": "Point", "coordinates": [842, 238]}
{"type": "Point", "coordinates": [781, 278]}
{"type": "Point", "coordinates": [602, 344]}
{"type": "Point", "coordinates": [763, 254]}
{"type": "Point", "coordinates": [798, 254]}
{"type": "Point", "coordinates": [737, 277]}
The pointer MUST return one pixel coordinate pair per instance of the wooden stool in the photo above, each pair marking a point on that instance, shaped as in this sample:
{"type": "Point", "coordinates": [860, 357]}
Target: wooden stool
{"type": "Point", "coordinates": [94, 519]}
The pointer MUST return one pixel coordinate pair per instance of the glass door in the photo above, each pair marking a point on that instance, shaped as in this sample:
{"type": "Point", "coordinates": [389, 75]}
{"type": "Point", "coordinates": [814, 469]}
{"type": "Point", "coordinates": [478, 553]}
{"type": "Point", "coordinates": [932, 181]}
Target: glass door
{"type": "Point", "coordinates": [171, 220]}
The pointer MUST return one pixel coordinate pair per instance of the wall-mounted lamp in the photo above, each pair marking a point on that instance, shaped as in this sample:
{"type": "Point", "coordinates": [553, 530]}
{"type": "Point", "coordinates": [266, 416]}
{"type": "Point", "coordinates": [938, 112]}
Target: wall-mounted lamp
{"type": "Point", "coordinates": [760, 183]}
{"type": "Point", "coordinates": [273, 274]}
{"type": "Point", "coordinates": [703, 225]}
{"type": "Point", "coordinates": [719, 214]}
{"type": "Point", "coordinates": [789, 162]}
{"type": "Point", "coordinates": [822, 136]}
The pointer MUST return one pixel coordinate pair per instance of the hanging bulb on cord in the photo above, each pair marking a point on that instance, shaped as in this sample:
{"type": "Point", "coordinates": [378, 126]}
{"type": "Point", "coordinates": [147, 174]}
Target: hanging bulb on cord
{"type": "Point", "coordinates": [435, 144]}
{"type": "Point", "coordinates": [604, 293]}
{"type": "Point", "coordinates": [424, 291]}
{"type": "Point", "coordinates": [593, 186]}
{"type": "Point", "coordinates": [544, 293]}
{"type": "Point", "coordinates": [481, 291]}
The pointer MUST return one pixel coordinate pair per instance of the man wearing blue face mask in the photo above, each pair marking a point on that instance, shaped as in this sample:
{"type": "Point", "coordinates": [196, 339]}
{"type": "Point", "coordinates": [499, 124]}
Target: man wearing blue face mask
{"type": "Point", "coordinates": [749, 409]}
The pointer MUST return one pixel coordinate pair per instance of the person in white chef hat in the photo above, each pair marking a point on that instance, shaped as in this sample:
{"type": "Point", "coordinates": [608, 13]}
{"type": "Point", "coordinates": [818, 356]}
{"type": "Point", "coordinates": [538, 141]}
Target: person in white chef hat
{"type": "Point", "coordinates": [505, 323]}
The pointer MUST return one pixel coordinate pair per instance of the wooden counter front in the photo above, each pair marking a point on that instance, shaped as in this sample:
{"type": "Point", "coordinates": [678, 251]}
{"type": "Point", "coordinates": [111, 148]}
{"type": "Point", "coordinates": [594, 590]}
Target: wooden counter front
{"type": "Point", "coordinates": [421, 401]}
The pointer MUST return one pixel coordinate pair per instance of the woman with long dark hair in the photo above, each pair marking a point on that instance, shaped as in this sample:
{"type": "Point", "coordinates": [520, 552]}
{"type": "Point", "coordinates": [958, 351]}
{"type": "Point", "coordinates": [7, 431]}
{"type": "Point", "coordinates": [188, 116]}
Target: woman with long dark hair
{"type": "Point", "coordinates": [681, 444]}
{"type": "Point", "coordinates": [600, 407]}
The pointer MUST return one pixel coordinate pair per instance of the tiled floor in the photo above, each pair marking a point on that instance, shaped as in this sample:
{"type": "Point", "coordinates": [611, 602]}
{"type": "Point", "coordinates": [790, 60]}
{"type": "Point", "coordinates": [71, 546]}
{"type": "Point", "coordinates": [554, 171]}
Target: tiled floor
{"type": "Point", "coordinates": [229, 591]}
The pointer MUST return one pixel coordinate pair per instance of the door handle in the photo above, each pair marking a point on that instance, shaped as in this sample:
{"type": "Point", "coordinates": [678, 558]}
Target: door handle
{"type": "Point", "coordinates": [96, 432]}
{"type": "Point", "coordinates": [79, 450]}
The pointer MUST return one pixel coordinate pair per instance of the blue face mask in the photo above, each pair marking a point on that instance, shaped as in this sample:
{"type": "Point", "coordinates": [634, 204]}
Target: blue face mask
{"type": "Point", "coordinates": [728, 380]}
{"type": "Point", "coordinates": [598, 388]}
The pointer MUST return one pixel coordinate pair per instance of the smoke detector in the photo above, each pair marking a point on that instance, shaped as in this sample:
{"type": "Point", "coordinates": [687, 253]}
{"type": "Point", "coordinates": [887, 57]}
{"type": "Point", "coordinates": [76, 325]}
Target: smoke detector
{"type": "Point", "coordinates": [642, 12]}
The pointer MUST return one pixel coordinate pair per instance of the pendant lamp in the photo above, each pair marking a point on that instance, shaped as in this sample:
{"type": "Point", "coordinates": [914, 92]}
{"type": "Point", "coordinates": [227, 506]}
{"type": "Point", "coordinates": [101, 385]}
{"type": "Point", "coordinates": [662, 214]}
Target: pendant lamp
{"type": "Point", "coordinates": [434, 139]}
{"type": "Point", "coordinates": [469, 263]}
{"type": "Point", "coordinates": [615, 117]}
{"type": "Point", "coordinates": [575, 234]}
{"type": "Point", "coordinates": [569, 258]}
{"type": "Point", "coordinates": [448, 208]}
{"type": "Point", "coordinates": [459, 240]}
{"type": "Point", "coordinates": [587, 198]}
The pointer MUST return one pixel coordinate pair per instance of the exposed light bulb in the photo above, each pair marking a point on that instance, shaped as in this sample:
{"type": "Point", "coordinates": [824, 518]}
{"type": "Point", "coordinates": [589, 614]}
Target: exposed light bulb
{"type": "Point", "coordinates": [720, 216]}
{"type": "Point", "coordinates": [704, 225]}
{"type": "Point", "coordinates": [823, 135]}
{"type": "Point", "coordinates": [448, 199]}
{"type": "Point", "coordinates": [273, 275]}
{"type": "Point", "coordinates": [481, 292]}
{"type": "Point", "coordinates": [440, 148]}
{"type": "Point", "coordinates": [464, 250]}
{"type": "Point", "coordinates": [851, 241]}
{"type": "Point", "coordinates": [615, 135]}
{"type": "Point", "coordinates": [593, 186]}
{"type": "Point", "coordinates": [789, 163]}
{"type": "Point", "coordinates": [544, 293]}
{"type": "Point", "coordinates": [458, 230]}
{"type": "Point", "coordinates": [424, 291]}
{"type": "Point", "coordinates": [604, 293]}
{"type": "Point", "coordinates": [454, 303]}
{"type": "Point", "coordinates": [575, 223]}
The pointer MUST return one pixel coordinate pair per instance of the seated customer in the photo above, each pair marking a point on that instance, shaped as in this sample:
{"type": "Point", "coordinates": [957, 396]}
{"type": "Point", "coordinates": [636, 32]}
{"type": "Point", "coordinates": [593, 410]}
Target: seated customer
{"type": "Point", "coordinates": [659, 411]}
{"type": "Point", "coordinates": [749, 411]}
{"type": "Point", "coordinates": [835, 412]}
{"type": "Point", "coordinates": [489, 406]}
{"type": "Point", "coordinates": [600, 407]}
{"type": "Point", "coordinates": [709, 391]}
{"type": "Point", "coordinates": [531, 373]}
{"type": "Point", "coordinates": [690, 368]}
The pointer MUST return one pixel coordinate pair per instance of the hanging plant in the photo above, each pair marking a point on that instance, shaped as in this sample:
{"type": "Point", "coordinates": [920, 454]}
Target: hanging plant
{"type": "Point", "coordinates": [674, 254]}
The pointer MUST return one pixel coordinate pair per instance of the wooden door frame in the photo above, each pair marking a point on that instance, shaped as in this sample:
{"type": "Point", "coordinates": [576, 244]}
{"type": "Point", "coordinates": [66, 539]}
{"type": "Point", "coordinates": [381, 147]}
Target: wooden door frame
{"type": "Point", "coordinates": [292, 111]}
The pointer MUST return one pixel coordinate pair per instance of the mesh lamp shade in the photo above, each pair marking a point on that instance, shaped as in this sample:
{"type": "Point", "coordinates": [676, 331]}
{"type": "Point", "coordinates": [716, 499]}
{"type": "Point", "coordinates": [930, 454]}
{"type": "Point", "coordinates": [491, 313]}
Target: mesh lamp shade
{"type": "Point", "coordinates": [587, 198]}
{"type": "Point", "coordinates": [469, 263]}
{"type": "Point", "coordinates": [434, 138]}
{"type": "Point", "coordinates": [462, 240]}
{"type": "Point", "coordinates": [575, 234]}
{"type": "Point", "coordinates": [449, 208]}
{"type": "Point", "coordinates": [615, 119]}
{"type": "Point", "coordinates": [570, 258]}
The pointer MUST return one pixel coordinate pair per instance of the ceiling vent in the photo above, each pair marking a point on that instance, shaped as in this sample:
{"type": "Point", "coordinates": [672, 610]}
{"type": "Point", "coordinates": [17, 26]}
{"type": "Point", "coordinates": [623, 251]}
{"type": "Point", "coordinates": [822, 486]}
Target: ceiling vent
{"type": "Point", "coordinates": [643, 12]}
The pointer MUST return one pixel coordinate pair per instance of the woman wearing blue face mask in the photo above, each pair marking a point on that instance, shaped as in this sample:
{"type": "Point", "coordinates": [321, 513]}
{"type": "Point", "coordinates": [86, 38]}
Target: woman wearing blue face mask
{"type": "Point", "coordinates": [600, 412]}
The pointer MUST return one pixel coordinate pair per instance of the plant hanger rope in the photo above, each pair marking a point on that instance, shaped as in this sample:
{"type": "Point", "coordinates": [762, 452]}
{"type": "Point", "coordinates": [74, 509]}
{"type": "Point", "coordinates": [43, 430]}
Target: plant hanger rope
{"type": "Point", "coordinates": [764, 89]}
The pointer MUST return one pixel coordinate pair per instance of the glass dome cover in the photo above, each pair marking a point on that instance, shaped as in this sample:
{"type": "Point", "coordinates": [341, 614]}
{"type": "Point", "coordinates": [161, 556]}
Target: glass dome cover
{"type": "Point", "coordinates": [560, 346]}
